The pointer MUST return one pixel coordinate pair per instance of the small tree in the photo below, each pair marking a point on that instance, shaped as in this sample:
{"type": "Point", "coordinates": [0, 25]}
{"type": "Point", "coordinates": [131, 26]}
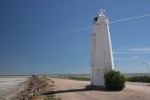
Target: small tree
{"type": "Point", "coordinates": [114, 80]}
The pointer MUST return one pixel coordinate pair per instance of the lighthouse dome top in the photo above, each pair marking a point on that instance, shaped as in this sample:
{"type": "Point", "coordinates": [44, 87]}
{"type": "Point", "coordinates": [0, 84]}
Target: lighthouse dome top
{"type": "Point", "coordinates": [101, 13]}
{"type": "Point", "coordinates": [101, 18]}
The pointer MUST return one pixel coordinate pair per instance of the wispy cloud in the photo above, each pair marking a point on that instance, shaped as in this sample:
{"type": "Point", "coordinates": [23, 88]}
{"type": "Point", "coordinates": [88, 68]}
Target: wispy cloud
{"type": "Point", "coordinates": [132, 51]}
{"type": "Point", "coordinates": [122, 59]}
{"type": "Point", "coordinates": [87, 57]}
{"type": "Point", "coordinates": [127, 59]}
{"type": "Point", "coordinates": [135, 57]}
{"type": "Point", "coordinates": [140, 49]}
{"type": "Point", "coordinates": [121, 52]}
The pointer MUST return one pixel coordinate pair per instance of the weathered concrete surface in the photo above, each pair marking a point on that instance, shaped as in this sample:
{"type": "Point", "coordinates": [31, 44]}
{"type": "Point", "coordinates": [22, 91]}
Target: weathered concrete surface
{"type": "Point", "coordinates": [8, 86]}
{"type": "Point", "coordinates": [75, 90]}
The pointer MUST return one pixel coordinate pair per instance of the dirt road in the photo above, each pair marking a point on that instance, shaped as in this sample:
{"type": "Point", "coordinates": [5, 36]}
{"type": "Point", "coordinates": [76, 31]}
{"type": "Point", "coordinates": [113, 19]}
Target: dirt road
{"type": "Point", "coordinates": [75, 90]}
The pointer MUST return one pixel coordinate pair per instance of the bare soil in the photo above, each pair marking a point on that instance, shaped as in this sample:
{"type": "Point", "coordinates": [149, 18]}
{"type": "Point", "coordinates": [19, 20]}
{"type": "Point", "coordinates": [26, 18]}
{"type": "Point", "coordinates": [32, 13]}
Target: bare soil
{"type": "Point", "coordinates": [75, 90]}
{"type": "Point", "coordinates": [9, 87]}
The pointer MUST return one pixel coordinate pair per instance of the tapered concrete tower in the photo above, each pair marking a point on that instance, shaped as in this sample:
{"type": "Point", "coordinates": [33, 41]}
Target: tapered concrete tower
{"type": "Point", "coordinates": [101, 50]}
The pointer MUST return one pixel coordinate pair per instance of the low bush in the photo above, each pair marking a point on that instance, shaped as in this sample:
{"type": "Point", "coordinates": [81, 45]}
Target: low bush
{"type": "Point", "coordinates": [139, 79]}
{"type": "Point", "coordinates": [52, 97]}
{"type": "Point", "coordinates": [114, 80]}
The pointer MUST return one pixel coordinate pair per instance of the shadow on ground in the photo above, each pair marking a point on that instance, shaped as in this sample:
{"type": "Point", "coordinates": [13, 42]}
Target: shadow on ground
{"type": "Point", "coordinates": [66, 91]}
{"type": "Point", "coordinates": [87, 88]}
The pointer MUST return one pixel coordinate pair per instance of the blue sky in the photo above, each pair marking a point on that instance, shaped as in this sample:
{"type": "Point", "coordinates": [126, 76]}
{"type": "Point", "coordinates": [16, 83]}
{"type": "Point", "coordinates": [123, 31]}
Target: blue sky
{"type": "Point", "coordinates": [44, 36]}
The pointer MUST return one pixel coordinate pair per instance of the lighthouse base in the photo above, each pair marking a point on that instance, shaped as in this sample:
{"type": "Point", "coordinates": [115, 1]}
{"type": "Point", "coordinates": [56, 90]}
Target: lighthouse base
{"type": "Point", "coordinates": [97, 78]}
{"type": "Point", "coordinates": [98, 81]}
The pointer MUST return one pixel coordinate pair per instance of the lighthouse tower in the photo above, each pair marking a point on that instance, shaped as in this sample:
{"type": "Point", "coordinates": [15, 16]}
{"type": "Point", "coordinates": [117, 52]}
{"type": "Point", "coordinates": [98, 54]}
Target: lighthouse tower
{"type": "Point", "coordinates": [101, 50]}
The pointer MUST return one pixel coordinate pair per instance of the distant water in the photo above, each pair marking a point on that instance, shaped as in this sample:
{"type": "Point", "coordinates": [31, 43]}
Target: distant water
{"type": "Point", "coordinates": [88, 75]}
{"type": "Point", "coordinates": [15, 76]}
{"type": "Point", "coordinates": [69, 75]}
{"type": "Point", "coordinates": [135, 74]}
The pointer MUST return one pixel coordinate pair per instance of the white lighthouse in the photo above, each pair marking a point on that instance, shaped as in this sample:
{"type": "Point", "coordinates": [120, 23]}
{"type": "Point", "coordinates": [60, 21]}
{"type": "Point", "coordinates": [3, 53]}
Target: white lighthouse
{"type": "Point", "coordinates": [101, 51]}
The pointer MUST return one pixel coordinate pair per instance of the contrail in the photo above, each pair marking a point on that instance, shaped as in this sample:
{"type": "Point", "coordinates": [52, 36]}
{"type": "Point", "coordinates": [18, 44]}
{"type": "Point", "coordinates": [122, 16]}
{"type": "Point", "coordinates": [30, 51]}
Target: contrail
{"type": "Point", "coordinates": [63, 33]}
{"type": "Point", "coordinates": [125, 19]}
{"type": "Point", "coordinates": [88, 27]}
{"type": "Point", "coordinates": [75, 30]}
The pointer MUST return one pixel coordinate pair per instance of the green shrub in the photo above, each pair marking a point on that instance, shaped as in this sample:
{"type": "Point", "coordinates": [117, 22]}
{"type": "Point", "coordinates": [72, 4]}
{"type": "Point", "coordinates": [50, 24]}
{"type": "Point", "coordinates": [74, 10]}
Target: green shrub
{"type": "Point", "coordinates": [52, 97]}
{"type": "Point", "coordinates": [139, 79]}
{"type": "Point", "coordinates": [114, 80]}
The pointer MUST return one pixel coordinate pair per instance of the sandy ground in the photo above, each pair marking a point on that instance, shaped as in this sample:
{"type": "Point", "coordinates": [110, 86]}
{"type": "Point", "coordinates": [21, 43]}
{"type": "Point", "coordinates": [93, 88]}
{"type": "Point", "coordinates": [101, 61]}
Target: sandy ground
{"type": "Point", "coordinates": [75, 90]}
{"type": "Point", "coordinates": [9, 86]}
{"type": "Point", "coordinates": [139, 86]}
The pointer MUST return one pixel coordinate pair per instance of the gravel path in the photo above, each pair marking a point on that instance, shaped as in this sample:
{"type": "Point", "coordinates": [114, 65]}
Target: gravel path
{"type": "Point", "coordinates": [8, 86]}
{"type": "Point", "coordinates": [74, 90]}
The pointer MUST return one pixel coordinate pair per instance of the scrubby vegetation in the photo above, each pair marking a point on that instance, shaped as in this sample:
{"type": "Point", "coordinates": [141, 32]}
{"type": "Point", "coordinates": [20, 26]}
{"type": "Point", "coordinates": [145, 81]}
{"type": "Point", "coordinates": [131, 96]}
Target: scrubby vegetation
{"type": "Point", "coordinates": [114, 80]}
{"type": "Point", "coordinates": [52, 97]}
{"type": "Point", "coordinates": [35, 88]}
{"type": "Point", "coordinates": [139, 79]}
